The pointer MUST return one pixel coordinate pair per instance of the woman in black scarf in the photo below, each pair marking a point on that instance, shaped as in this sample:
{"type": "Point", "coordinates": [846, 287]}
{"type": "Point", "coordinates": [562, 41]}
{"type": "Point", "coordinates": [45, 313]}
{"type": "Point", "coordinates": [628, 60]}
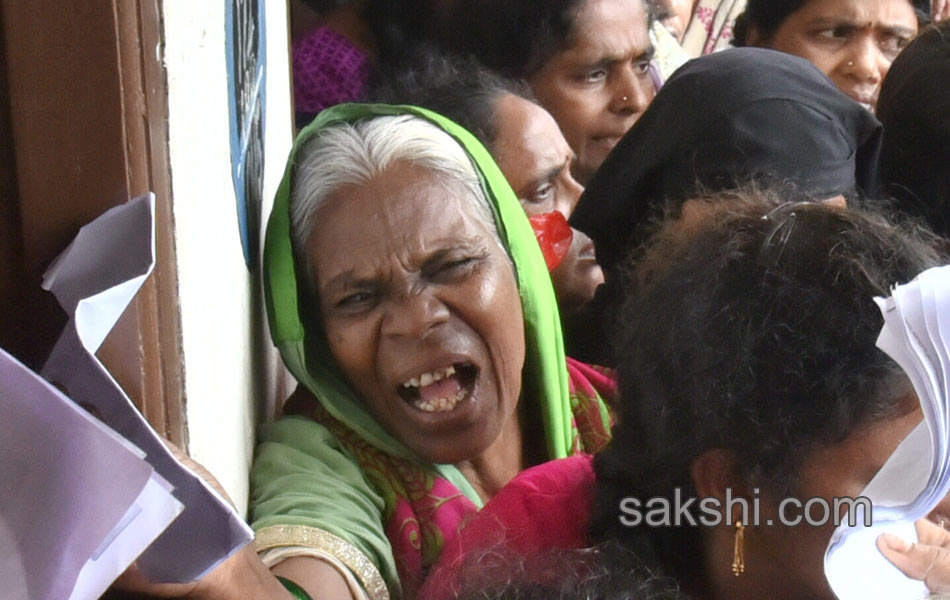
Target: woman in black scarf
{"type": "Point", "coordinates": [739, 116]}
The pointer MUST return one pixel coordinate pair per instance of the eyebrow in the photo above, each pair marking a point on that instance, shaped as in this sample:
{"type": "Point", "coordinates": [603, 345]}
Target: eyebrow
{"type": "Point", "coordinates": [439, 255]}
{"type": "Point", "coordinates": [551, 174]}
{"type": "Point", "coordinates": [350, 278]}
{"type": "Point", "coordinates": [854, 22]}
{"type": "Point", "coordinates": [898, 30]}
{"type": "Point", "coordinates": [347, 280]}
{"type": "Point", "coordinates": [612, 59]}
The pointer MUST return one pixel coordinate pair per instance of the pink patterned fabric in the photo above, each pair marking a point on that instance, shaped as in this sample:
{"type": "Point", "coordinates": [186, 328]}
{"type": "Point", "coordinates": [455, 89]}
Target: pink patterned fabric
{"type": "Point", "coordinates": [544, 508]}
{"type": "Point", "coordinates": [589, 386]}
{"type": "Point", "coordinates": [328, 70]}
{"type": "Point", "coordinates": [711, 28]}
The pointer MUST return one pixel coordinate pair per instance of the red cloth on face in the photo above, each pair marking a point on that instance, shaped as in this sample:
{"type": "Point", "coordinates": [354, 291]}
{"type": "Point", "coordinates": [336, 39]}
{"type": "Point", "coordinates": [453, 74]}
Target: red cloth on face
{"type": "Point", "coordinates": [554, 235]}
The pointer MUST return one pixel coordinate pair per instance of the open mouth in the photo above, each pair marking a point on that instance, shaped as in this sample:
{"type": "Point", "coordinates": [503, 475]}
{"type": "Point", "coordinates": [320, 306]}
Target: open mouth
{"type": "Point", "coordinates": [441, 390]}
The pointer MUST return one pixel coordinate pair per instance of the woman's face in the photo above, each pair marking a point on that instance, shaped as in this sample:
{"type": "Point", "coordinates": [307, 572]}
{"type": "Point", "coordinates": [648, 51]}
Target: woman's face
{"type": "Point", "coordinates": [421, 311]}
{"type": "Point", "coordinates": [536, 160]}
{"type": "Point", "coordinates": [599, 86]}
{"type": "Point", "coordinates": [791, 558]}
{"type": "Point", "coordinates": [676, 16]}
{"type": "Point", "coordinates": [851, 41]}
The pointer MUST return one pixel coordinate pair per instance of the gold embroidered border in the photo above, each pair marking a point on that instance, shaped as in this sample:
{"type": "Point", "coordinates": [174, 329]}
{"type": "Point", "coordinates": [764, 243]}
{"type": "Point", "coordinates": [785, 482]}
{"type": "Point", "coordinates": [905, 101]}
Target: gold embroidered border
{"type": "Point", "coordinates": [277, 536]}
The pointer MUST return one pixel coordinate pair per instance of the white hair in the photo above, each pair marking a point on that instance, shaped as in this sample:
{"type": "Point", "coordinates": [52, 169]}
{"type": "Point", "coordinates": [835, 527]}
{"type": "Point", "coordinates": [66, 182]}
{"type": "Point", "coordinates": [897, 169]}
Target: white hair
{"type": "Point", "coordinates": [352, 154]}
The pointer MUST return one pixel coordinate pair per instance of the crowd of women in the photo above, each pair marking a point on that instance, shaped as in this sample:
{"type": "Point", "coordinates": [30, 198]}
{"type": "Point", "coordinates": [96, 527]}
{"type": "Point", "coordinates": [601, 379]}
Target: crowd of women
{"type": "Point", "coordinates": [435, 267]}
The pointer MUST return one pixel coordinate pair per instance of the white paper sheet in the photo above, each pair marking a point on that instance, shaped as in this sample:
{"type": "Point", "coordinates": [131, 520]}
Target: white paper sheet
{"type": "Point", "coordinates": [68, 484]}
{"type": "Point", "coordinates": [861, 571]}
{"type": "Point", "coordinates": [152, 512]}
{"type": "Point", "coordinates": [916, 334]}
{"type": "Point", "coordinates": [94, 280]}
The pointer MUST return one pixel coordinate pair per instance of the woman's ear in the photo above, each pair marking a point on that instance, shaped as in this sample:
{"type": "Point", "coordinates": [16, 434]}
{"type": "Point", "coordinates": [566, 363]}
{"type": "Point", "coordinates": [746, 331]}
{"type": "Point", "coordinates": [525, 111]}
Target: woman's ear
{"type": "Point", "coordinates": [715, 471]}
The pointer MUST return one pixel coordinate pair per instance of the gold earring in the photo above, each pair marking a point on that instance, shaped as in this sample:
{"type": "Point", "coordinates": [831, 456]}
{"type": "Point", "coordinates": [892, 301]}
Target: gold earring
{"type": "Point", "coordinates": [738, 553]}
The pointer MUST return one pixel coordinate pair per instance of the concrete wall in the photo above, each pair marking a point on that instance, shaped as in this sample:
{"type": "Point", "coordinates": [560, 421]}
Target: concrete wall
{"type": "Point", "coordinates": [232, 374]}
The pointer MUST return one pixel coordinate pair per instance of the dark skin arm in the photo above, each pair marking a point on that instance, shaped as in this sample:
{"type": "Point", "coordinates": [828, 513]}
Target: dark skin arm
{"type": "Point", "coordinates": [243, 575]}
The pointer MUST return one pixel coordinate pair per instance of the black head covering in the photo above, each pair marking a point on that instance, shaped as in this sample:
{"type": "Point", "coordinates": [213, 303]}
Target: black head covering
{"type": "Point", "coordinates": [722, 120]}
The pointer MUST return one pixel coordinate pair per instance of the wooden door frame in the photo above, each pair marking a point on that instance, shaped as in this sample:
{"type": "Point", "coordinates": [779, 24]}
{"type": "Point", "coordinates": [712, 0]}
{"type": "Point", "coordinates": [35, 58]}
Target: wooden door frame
{"type": "Point", "coordinates": [88, 109]}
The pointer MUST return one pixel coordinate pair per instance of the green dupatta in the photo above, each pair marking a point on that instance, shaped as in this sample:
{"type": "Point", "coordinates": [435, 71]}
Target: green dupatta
{"type": "Point", "coordinates": [355, 506]}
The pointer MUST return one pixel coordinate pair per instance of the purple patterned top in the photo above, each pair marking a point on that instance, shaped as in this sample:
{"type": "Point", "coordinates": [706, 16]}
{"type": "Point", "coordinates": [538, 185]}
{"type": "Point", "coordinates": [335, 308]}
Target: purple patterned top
{"type": "Point", "coordinates": [328, 70]}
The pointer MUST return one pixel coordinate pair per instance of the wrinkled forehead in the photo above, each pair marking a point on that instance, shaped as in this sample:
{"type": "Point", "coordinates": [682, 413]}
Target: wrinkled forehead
{"type": "Point", "coordinates": [405, 208]}
{"type": "Point", "coordinates": [412, 196]}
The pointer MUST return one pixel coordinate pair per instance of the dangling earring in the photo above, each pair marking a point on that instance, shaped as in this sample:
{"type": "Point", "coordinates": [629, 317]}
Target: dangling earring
{"type": "Point", "coordinates": [738, 553]}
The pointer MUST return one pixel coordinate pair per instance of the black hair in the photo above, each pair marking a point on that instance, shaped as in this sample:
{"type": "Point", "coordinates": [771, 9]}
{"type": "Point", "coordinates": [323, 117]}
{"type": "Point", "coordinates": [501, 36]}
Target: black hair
{"type": "Point", "coordinates": [323, 6]}
{"type": "Point", "coordinates": [516, 37]}
{"type": "Point", "coordinates": [751, 328]}
{"type": "Point", "coordinates": [914, 107]}
{"type": "Point", "coordinates": [456, 87]}
{"type": "Point", "coordinates": [401, 27]}
{"type": "Point", "coordinates": [604, 572]}
{"type": "Point", "coordinates": [766, 16]}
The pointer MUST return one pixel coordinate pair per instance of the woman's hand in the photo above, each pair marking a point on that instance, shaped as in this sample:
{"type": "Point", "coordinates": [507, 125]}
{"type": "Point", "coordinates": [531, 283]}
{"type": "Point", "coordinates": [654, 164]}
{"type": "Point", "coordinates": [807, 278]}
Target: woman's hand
{"type": "Point", "coordinates": [243, 575]}
{"type": "Point", "coordinates": [199, 469]}
{"type": "Point", "coordinates": [132, 581]}
{"type": "Point", "coordinates": [927, 560]}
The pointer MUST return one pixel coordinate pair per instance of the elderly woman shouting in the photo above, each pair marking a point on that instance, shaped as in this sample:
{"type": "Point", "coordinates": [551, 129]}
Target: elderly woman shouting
{"type": "Point", "coordinates": [407, 293]}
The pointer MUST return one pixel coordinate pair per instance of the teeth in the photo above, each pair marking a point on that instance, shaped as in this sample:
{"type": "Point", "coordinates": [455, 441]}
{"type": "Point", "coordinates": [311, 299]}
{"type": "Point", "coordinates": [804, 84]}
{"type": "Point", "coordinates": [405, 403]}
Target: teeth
{"type": "Point", "coordinates": [440, 404]}
{"type": "Point", "coordinates": [430, 378]}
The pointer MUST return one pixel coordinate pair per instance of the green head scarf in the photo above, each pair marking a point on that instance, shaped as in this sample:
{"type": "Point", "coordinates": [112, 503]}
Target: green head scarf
{"type": "Point", "coordinates": [307, 354]}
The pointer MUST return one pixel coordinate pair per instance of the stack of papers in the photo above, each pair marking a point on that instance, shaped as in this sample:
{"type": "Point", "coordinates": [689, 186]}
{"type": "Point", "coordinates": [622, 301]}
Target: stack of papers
{"type": "Point", "coordinates": [916, 477]}
{"type": "Point", "coordinates": [78, 503]}
{"type": "Point", "coordinates": [89, 497]}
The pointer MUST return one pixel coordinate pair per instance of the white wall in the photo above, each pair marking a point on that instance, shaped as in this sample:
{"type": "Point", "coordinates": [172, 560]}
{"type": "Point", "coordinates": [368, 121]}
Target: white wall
{"type": "Point", "coordinates": [231, 370]}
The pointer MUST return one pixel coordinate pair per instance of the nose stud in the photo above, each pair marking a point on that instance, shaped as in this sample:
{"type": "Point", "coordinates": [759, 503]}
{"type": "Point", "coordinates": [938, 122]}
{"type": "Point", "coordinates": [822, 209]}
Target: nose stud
{"type": "Point", "coordinates": [624, 99]}
{"type": "Point", "coordinates": [850, 63]}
